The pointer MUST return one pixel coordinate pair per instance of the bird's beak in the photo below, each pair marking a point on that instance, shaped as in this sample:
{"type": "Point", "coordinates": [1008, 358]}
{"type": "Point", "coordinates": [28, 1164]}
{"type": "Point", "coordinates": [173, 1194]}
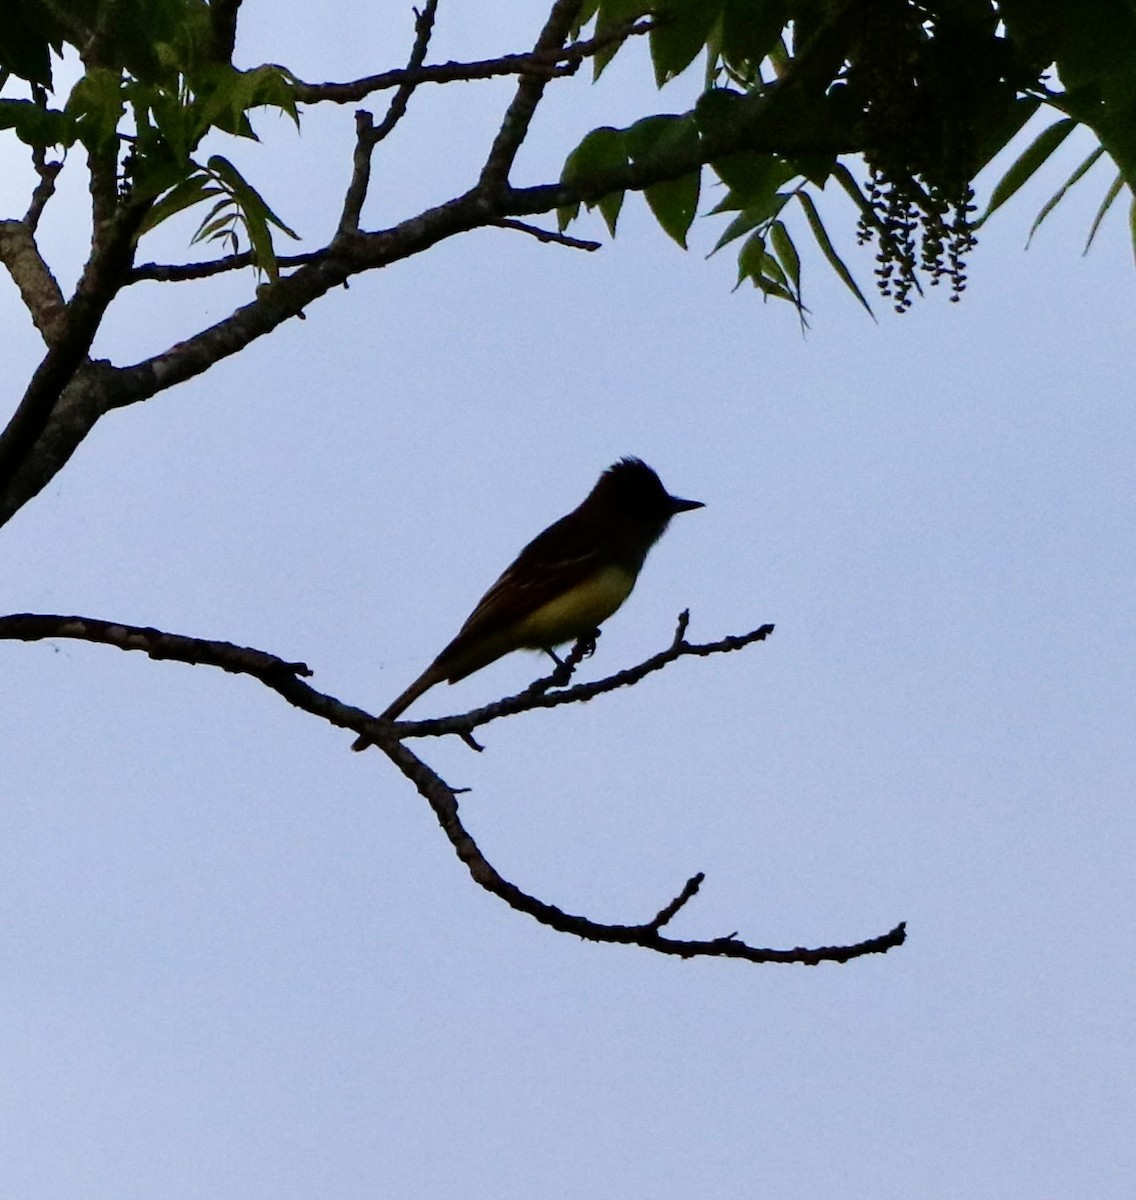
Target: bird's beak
{"type": "Point", "coordinates": [679, 505]}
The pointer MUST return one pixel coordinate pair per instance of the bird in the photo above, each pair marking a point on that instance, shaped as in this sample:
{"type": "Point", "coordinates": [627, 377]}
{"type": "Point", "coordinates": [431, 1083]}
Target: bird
{"type": "Point", "coordinates": [564, 584]}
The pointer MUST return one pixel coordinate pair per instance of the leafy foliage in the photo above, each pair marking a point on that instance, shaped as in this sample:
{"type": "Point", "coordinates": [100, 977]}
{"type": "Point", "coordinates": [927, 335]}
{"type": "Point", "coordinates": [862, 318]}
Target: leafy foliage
{"type": "Point", "coordinates": [152, 90]}
{"type": "Point", "coordinates": [901, 102]}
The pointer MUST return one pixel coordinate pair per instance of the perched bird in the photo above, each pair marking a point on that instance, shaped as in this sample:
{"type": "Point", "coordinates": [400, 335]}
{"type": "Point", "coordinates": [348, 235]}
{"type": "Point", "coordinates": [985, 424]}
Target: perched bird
{"type": "Point", "coordinates": [564, 583]}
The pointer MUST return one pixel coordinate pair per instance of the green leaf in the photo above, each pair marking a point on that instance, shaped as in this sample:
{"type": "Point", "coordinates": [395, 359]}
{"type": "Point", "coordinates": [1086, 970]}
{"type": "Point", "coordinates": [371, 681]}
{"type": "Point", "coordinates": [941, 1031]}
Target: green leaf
{"type": "Point", "coordinates": [751, 218]}
{"type": "Point", "coordinates": [97, 103]}
{"type": "Point", "coordinates": [586, 13]}
{"type": "Point", "coordinates": [191, 191]}
{"type": "Point", "coordinates": [1028, 163]}
{"type": "Point", "coordinates": [681, 31]}
{"type": "Point", "coordinates": [752, 176]}
{"type": "Point", "coordinates": [35, 126]}
{"type": "Point", "coordinates": [847, 181]}
{"type": "Point", "coordinates": [750, 28]}
{"type": "Point", "coordinates": [993, 137]}
{"type": "Point", "coordinates": [1060, 194]}
{"type": "Point", "coordinates": [254, 214]}
{"type": "Point", "coordinates": [786, 253]}
{"type": "Point", "coordinates": [611, 16]}
{"type": "Point", "coordinates": [566, 214]}
{"type": "Point", "coordinates": [655, 140]}
{"type": "Point", "coordinates": [26, 42]}
{"type": "Point", "coordinates": [609, 207]}
{"type": "Point", "coordinates": [756, 264]}
{"type": "Point", "coordinates": [1106, 204]}
{"type": "Point", "coordinates": [675, 204]}
{"type": "Point", "coordinates": [601, 151]}
{"type": "Point", "coordinates": [246, 195]}
{"type": "Point", "coordinates": [828, 250]}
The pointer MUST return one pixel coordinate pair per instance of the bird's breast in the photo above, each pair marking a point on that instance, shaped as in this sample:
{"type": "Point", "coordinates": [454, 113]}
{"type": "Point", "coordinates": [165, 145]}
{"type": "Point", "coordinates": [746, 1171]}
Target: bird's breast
{"type": "Point", "coordinates": [577, 611]}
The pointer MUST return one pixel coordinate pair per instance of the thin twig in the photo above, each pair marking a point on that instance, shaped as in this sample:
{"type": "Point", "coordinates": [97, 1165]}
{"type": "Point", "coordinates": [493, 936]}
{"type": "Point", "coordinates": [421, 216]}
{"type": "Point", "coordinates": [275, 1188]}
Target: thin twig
{"type": "Point", "coordinates": [547, 235]}
{"type": "Point", "coordinates": [538, 695]}
{"type": "Point", "coordinates": [47, 172]}
{"type": "Point", "coordinates": [368, 135]}
{"type": "Point", "coordinates": [564, 62]}
{"type": "Point", "coordinates": [180, 272]}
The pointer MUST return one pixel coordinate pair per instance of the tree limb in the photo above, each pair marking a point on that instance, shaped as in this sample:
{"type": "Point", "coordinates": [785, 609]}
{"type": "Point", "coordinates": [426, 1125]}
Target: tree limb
{"type": "Point", "coordinates": [441, 798]}
{"type": "Point", "coordinates": [183, 272]}
{"type": "Point", "coordinates": [565, 62]}
{"type": "Point", "coordinates": [284, 678]}
{"type": "Point", "coordinates": [368, 136]}
{"type": "Point", "coordinates": [548, 235]}
{"type": "Point", "coordinates": [31, 274]}
{"type": "Point", "coordinates": [530, 90]}
{"type": "Point", "coordinates": [758, 124]}
{"type": "Point", "coordinates": [539, 694]}
{"type": "Point", "coordinates": [100, 282]}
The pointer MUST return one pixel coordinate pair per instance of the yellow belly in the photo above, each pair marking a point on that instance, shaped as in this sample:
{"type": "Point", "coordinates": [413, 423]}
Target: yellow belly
{"type": "Point", "coordinates": [578, 611]}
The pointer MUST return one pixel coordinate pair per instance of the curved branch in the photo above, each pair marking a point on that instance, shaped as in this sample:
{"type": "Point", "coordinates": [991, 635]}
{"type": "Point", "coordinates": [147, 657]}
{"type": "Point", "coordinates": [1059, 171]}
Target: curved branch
{"type": "Point", "coordinates": [441, 798]}
{"type": "Point", "coordinates": [283, 677]}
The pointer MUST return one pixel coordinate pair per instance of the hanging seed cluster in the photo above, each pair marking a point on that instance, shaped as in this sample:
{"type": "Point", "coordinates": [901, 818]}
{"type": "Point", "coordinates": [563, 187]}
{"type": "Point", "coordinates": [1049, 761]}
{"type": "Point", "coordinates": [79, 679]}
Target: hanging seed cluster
{"type": "Point", "coordinates": [919, 89]}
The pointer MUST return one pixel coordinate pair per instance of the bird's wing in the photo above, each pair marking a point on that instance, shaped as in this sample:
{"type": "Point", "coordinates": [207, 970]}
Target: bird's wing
{"type": "Point", "coordinates": [552, 563]}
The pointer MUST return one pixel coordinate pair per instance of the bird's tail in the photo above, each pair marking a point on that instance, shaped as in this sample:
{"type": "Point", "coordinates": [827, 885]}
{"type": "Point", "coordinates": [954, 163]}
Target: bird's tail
{"type": "Point", "coordinates": [397, 707]}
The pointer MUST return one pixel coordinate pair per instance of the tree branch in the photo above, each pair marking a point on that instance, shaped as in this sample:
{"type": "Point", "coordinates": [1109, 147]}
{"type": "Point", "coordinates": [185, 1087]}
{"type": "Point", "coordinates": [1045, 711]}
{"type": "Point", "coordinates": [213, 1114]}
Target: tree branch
{"type": "Point", "coordinates": [283, 677]}
{"type": "Point", "coordinates": [758, 124]}
{"type": "Point", "coordinates": [565, 62]}
{"type": "Point", "coordinates": [100, 282]}
{"type": "Point", "coordinates": [31, 274]}
{"type": "Point", "coordinates": [530, 90]}
{"type": "Point", "coordinates": [368, 136]}
{"type": "Point", "coordinates": [182, 272]}
{"type": "Point", "coordinates": [223, 21]}
{"type": "Point", "coordinates": [441, 798]}
{"type": "Point", "coordinates": [548, 235]}
{"type": "Point", "coordinates": [539, 694]}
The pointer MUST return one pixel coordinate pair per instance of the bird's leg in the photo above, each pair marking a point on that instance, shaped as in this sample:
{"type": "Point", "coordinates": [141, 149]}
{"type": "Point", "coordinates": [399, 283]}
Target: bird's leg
{"type": "Point", "coordinates": [585, 647]}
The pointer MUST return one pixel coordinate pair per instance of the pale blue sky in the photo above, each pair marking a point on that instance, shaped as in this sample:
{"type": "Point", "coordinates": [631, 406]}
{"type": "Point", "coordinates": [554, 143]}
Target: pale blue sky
{"type": "Point", "coordinates": [243, 962]}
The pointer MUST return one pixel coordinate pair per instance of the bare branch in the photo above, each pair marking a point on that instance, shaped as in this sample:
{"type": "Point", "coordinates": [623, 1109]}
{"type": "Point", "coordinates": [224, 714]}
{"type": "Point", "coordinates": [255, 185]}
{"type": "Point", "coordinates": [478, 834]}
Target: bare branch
{"type": "Point", "coordinates": [181, 272]}
{"type": "Point", "coordinates": [537, 695]}
{"type": "Point", "coordinates": [668, 912]}
{"type": "Point", "coordinates": [368, 136]}
{"type": "Point", "coordinates": [174, 647]}
{"type": "Point", "coordinates": [518, 117]}
{"type": "Point", "coordinates": [46, 171]}
{"type": "Point", "coordinates": [441, 798]}
{"type": "Point", "coordinates": [423, 28]}
{"type": "Point", "coordinates": [564, 62]}
{"type": "Point", "coordinates": [283, 677]}
{"type": "Point", "coordinates": [100, 282]}
{"type": "Point", "coordinates": [548, 235]}
{"type": "Point", "coordinates": [31, 274]}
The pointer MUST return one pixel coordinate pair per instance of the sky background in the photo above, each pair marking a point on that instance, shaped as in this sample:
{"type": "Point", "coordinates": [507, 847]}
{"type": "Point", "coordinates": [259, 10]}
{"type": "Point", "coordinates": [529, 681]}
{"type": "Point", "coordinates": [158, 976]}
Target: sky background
{"type": "Point", "coordinates": [240, 961]}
